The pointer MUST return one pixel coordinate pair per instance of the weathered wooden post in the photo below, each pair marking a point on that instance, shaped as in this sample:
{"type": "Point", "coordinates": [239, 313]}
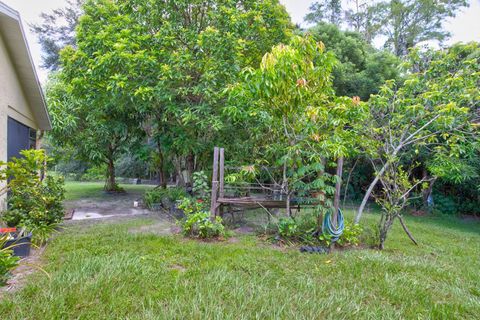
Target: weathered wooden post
{"type": "Point", "coordinates": [213, 204]}
{"type": "Point", "coordinates": [338, 186]}
{"type": "Point", "coordinates": [222, 173]}
{"type": "Point", "coordinates": [222, 179]}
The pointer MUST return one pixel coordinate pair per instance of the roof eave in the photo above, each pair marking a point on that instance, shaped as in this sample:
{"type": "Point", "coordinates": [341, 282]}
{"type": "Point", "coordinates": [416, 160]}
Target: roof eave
{"type": "Point", "coordinates": [18, 46]}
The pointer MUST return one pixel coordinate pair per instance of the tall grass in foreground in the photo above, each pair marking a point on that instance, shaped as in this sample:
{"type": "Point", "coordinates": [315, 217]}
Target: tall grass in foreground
{"type": "Point", "coordinates": [105, 272]}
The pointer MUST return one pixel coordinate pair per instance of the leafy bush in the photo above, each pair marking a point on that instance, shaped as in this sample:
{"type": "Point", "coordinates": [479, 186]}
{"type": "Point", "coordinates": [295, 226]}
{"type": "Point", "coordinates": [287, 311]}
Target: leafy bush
{"type": "Point", "coordinates": [41, 232]}
{"type": "Point", "coordinates": [95, 173]}
{"type": "Point", "coordinates": [303, 228]}
{"type": "Point", "coordinates": [7, 260]}
{"type": "Point", "coordinates": [34, 202]}
{"type": "Point", "coordinates": [200, 184]}
{"type": "Point", "coordinates": [351, 235]}
{"type": "Point", "coordinates": [287, 227]}
{"type": "Point", "coordinates": [190, 205]}
{"type": "Point", "coordinates": [159, 195]}
{"type": "Point", "coordinates": [197, 222]}
{"type": "Point", "coordinates": [445, 205]}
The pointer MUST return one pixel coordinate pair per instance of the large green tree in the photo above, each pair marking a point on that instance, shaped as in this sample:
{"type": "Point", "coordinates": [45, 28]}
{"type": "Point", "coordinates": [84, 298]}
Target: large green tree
{"type": "Point", "coordinates": [298, 121]}
{"type": "Point", "coordinates": [408, 22]}
{"type": "Point", "coordinates": [329, 11]}
{"type": "Point", "coordinates": [363, 17]}
{"type": "Point", "coordinates": [57, 30]}
{"type": "Point", "coordinates": [200, 47]}
{"type": "Point", "coordinates": [97, 86]}
{"type": "Point", "coordinates": [404, 23]}
{"type": "Point", "coordinates": [362, 69]}
{"type": "Point", "coordinates": [435, 111]}
{"type": "Point", "coordinates": [162, 67]}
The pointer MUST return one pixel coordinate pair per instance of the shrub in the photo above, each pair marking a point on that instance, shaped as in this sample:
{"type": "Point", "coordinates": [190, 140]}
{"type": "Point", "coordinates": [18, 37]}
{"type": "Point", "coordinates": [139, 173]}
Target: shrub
{"type": "Point", "coordinates": [7, 260]}
{"type": "Point", "coordinates": [96, 173]}
{"type": "Point", "coordinates": [34, 202]}
{"type": "Point", "coordinates": [303, 228]}
{"type": "Point", "coordinates": [287, 227]}
{"type": "Point", "coordinates": [159, 195]}
{"type": "Point", "coordinates": [197, 222]}
{"type": "Point", "coordinates": [200, 184]}
{"type": "Point", "coordinates": [41, 232]}
{"type": "Point", "coordinates": [445, 205]}
{"type": "Point", "coordinates": [190, 205]}
{"type": "Point", "coordinates": [351, 235]}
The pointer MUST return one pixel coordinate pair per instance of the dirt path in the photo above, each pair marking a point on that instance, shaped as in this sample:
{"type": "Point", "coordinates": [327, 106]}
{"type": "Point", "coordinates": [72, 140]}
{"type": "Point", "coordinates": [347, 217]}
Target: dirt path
{"type": "Point", "coordinates": [108, 206]}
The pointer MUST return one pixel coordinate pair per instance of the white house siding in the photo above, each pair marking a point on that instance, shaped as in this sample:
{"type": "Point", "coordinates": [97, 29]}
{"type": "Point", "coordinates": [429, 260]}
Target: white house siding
{"type": "Point", "coordinates": [13, 103]}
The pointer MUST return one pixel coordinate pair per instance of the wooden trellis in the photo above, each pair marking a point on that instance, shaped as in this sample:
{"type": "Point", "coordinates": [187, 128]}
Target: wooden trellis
{"type": "Point", "coordinates": [219, 200]}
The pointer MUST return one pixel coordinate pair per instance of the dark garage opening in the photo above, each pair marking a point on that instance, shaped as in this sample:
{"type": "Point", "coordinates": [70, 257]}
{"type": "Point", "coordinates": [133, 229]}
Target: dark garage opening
{"type": "Point", "coordinates": [19, 137]}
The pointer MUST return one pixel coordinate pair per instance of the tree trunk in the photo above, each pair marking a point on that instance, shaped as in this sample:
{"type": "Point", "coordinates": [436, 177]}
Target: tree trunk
{"type": "Point", "coordinates": [289, 210]}
{"type": "Point", "coordinates": [178, 169]}
{"type": "Point", "coordinates": [369, 192]}
{"type": "Point", "coordinates": [161, 169]}
{"type": "Point", "coordinates": [348, 182]}
{"type": "Point", "coordinates": [321, 194]}
{"type": "Point", "coordinates": [409, 234]}
{"type": "Point", "coordinates": [384, 228]}
{"type": "Point", "coordinates": [190, 164]}
{"type": "Point", "coordinates": [110, 184]}
{"type": "Point", "coordinates": [338, 186]}
{"type": "Point", "coordinates": [161, 177]}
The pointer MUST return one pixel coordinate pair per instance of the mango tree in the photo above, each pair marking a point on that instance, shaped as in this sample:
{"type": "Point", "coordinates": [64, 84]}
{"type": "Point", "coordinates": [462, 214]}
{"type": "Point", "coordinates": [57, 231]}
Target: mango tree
{"type": "Point", "coordinates": [435, 111]}
{"type": "Point", "coordinates": [94, 107]}
{"type": "Point", "coordinates": [199, 47]}
{"type": "Point", "coordinates": [297, 122]}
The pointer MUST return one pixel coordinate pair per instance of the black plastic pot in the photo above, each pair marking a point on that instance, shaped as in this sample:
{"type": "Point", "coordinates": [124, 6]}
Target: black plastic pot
{"type": "Point", "coordinates": [20, 246]}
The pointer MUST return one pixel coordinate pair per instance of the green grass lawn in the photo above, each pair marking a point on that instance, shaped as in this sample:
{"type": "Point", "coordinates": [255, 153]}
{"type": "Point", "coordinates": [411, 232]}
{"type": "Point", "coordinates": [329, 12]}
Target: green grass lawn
{"type": "Point", "coordinates": [105, 272]}
{"type": "Point", "coordinates": [79, 190]}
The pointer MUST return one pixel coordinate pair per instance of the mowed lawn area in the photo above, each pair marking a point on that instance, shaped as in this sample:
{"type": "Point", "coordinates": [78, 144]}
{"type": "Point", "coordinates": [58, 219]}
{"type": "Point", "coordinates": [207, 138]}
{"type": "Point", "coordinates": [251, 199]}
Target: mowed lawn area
{"type": "Point", "coordinates": [94, 190]}
{"type": "Point", "coordinates": [104, 271]}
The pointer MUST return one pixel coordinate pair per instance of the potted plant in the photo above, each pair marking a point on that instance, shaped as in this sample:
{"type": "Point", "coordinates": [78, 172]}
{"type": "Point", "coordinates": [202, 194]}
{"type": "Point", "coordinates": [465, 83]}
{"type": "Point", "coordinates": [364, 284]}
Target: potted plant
{"type": "Point", "coordinates": [19, 242]}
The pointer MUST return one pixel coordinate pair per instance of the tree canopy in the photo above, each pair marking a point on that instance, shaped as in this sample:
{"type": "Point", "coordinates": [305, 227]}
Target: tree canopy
{"type": "Point", "coordinates": [56, 31]}
{"type": "Point", "coordinates": [162, 82]}
{"type": "Point", "coordinates": [160, 67]}
{"type": "Point", "coordinates": [435, 110]}
{"type": "Point", "coordinates": [403, 23]}
{"type": "Point", "coordinates": [362, 69]}
{"type": "Point", "coordinates": [299, 123]}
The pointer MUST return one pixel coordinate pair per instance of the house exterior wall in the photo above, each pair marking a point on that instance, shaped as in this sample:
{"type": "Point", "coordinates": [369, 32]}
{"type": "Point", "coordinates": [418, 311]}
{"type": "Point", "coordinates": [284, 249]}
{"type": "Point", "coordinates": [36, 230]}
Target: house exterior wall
{"type": "Point", "coordinates": [13, 104]}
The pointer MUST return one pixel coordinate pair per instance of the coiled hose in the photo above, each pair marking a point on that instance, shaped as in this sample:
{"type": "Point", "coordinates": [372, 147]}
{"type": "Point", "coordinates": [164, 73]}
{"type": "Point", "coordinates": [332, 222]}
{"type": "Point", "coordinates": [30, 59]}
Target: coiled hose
{"type": "Point", "coordinates": [329, 228]}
